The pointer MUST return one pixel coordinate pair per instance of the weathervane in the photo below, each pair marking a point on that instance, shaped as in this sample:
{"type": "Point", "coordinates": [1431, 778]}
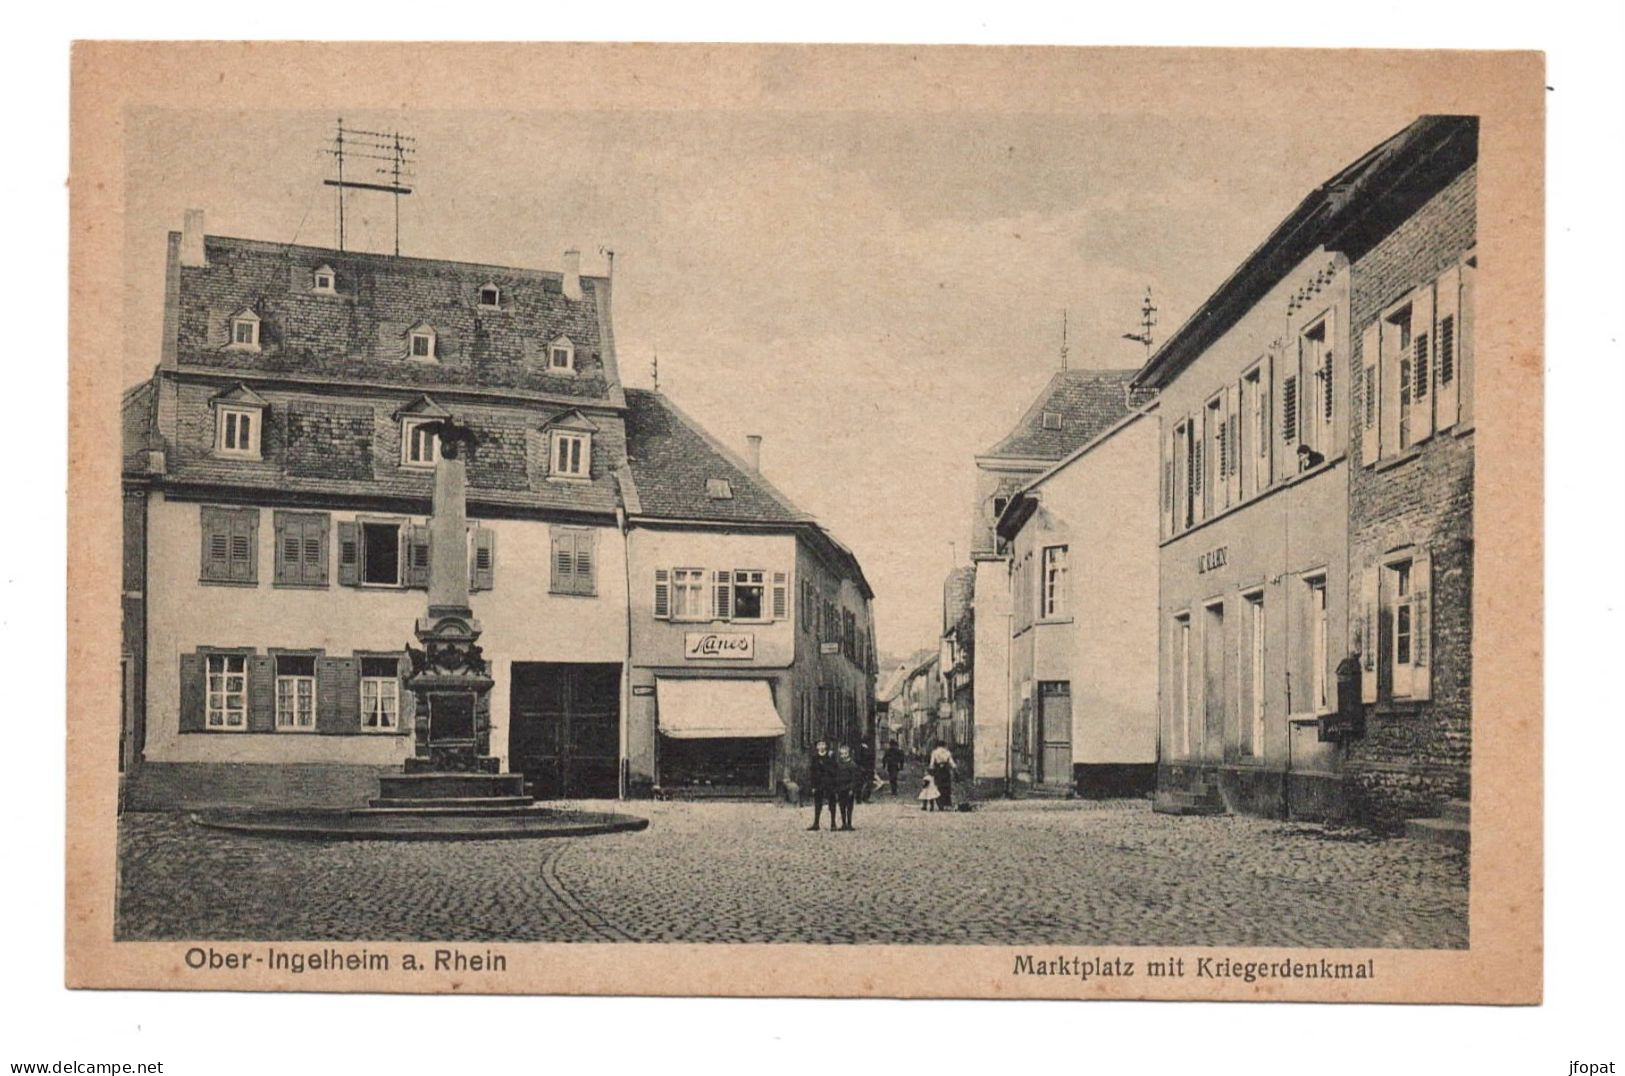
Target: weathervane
{"type": "Point", "coordinates": [396, 152]}
{"type": "Point", "coordinates": [1148, 320]}
{"type": "Point", "coordinates": [1063, 338]}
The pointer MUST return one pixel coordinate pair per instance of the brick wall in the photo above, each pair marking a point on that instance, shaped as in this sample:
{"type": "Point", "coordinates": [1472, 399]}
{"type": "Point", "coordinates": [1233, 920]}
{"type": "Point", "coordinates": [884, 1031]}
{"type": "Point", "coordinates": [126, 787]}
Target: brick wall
{"type": "Point", "coordinates": [1416, 755]}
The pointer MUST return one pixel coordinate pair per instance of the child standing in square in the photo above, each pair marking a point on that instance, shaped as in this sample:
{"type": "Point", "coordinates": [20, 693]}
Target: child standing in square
{"type": "Point", "coordinates": [928, 794]}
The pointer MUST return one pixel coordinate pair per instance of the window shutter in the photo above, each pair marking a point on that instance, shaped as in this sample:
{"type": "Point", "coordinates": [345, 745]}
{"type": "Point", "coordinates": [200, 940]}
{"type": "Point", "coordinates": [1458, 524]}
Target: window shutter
{"type": "Point", "coordinates": [406, 708]}
{"type": "Point", "coordinates": [485, 559]}
{"type": "Point", "coordinates": [1388, 390]}
{"type": "Point", "coordinates": [1168, 481]}
{"type": "Point", "coordinates": [564, 562]}
{"type": "Point", "coordinates": [586, 578]}
{"type": "Point", "coordinates": [1422, 340]}
{"type": "Point", "coordinates": [1369, 645]}
{"type": "Point", "coordinates": [1232, 434]}
{"type": "Point", "coordinates": [314, 559]}
{"type": "Point", "coordinates": [1371, 358]}
{"type": "Point", "coordinates": [338, 695]}
{"type": "Point", "coordinates": [1464, 346]}
{"type": "Point", "coordinates": [349, 553]}
{"type": "Point", "coordinates": [721, 595]}
{"type": "Point", "coordinates": [245, 527]}
{"type": "Point", "coordinates": [288, 541]}
{"type": "Point", "coordinates": [1328, 387]}
{"type": "Point", "coordinates": [417, 555]}
{"type": "Point", "coordinates": [215, 526]}
{"type": "Point", "coordinates": [1447, 362]}
{"type": "Point", "coordinates": [1289, 411]}
{"type": "Point", "coordinates": [1266, 424]}
{"type": "Point", "coordinates": [261, 693]}
{"type": "Point", "coordinates": [781, 596]}
{"type": "Point", "coordinates": [1422, 627]}
{"type": "Point", "coordinates": [192, 691]}
{"type": "Point", "coordinates": [662, 594]}
{"type": "Point", "coordinates": [1197, 444]}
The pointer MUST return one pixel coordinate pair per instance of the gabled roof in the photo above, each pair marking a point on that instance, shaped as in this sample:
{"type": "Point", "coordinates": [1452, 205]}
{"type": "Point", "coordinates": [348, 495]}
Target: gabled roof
{"type": "Point", "coordinates": [672, 458]}
{"type": "Point", "coordinates": [423, 407]}
{"type": "Point", "coordinates": [1088, 402]}
{"type": "Point", "coordinates": [239, 394]}
{"type": "Point", "coordinates": [572, 420]}
{"type": "Point", "coordinates": [957, 591]}
{"type": "Point", "coordinates": [1348, 213]}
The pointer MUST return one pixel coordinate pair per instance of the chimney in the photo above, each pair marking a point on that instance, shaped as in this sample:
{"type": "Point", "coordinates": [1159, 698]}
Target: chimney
{"type": "Point", "coordinates": [192, 240]}
{"type": "Point", "coordinates": [754, 440]}
{"type": "Point", "coordinates": [572, 275]}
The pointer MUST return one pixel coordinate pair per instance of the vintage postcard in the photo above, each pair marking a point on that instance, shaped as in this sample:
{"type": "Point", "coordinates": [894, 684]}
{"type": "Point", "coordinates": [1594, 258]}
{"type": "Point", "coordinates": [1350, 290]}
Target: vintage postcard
{"type": "Point", "coordinates": [792, 520]}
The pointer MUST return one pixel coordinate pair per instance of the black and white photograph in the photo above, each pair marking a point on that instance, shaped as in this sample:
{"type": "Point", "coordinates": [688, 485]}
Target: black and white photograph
{"type": "Point", "coordinates": [1053, 525]}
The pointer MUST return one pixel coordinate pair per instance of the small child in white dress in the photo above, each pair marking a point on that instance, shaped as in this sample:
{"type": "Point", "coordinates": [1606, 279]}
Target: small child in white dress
{"type": "Point", "coordinates": [928, 794]}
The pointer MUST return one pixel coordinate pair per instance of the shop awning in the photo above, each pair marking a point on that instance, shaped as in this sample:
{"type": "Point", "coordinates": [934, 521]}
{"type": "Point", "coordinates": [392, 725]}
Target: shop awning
{"type": "Point", "coordinates": [714, 709]}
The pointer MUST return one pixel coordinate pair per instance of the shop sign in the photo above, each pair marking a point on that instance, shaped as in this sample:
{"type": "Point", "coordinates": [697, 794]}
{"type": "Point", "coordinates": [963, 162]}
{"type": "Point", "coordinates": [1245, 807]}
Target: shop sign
{"type": "Point", "coordinates": [1213, 559]}
{"type": "Point", "coordinates": [719, 645]}
{"type": "Point", "coordinates": [829, 648]}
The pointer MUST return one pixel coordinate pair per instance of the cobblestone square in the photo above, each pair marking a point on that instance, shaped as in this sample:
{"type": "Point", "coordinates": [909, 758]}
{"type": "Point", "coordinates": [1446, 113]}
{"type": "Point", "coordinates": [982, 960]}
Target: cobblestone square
{"type": "Point", "coordinates": [1034, 872]}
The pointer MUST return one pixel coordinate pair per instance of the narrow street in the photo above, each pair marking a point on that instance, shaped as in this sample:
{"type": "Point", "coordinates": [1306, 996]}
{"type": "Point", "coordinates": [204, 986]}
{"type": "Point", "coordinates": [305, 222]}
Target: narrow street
{"type": "Point", "coordinates": [1035, 872]}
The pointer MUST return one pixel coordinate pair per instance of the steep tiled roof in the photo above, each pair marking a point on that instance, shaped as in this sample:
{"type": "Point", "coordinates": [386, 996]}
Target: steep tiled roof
{"type": "Point", "coordinates": [957, 590]}
{"type": "Point", "coordinates": [349, 446]}
{"type": "Point", "coordinates": [360, 332]}
{"type": "Point", "coordinates": [675, 465]}
{"type": "Point", "coordinates": [137, 425]}
{"type": "Point", "coordinates": [1088, 402]}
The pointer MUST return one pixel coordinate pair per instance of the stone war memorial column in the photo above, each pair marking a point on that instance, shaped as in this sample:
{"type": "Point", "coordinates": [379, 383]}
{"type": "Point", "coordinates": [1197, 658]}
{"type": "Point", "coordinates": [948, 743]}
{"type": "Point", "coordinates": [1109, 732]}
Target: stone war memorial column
{"type": "Point", "coordinates": [451, 680]}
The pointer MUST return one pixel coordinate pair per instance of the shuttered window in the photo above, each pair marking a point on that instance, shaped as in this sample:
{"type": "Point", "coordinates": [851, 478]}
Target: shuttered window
{"type": "Point", "coordinates": [781, 596]}
{"type": "Point", "coordinates": [575, 561]}
{"type": "Point", "coordinates": [482, 562]}
{"type": "Point", "coordinates": [301, 548]}
{"type": "Point", "coordinates": [295, 692]}
{"type": "Point", "coordinates": [380, 694]}
{"type": "Point", "coordinates": [226, 692]}
{"type": "Point", "coordinates": [1289, 409]}
{"type": "Point", "coordinates": [230, 543]}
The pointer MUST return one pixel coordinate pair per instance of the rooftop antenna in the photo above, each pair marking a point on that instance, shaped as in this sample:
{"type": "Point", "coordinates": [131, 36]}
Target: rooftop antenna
{"type": "Point", "coordinates": [654, 369]}
{"type": "Point", "coordinates": [1063, 338]}
{"type": "Point", "coordinates": [394, 156]}
{"type": "Point", "coordinates": [1148, 321]}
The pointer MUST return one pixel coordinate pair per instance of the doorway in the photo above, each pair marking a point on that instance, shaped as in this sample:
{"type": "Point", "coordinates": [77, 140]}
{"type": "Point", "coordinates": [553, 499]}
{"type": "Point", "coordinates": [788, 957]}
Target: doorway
{"type": "Point", "coordinates": [564, 729]}
{"type": "Point", "coordinates": [1214, 648]}
{"type": "Point", "coordinates": [1055, 728]}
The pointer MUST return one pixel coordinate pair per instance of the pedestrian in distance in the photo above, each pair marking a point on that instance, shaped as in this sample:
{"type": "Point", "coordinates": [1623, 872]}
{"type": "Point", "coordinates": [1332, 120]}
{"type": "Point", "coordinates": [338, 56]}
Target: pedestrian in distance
{"type": "Point", "coordinates": [865, 758]}
{"type": "Point", "coordinates": [848, 774]}
{"type": "Point", "coordinates": [821, 778]}
{"type": "Point", "coordinates": [893, 761]}
{"type": "Point", "coordinates": [928, 794]}
{"type": "Point", "coordinates": [942, 766]}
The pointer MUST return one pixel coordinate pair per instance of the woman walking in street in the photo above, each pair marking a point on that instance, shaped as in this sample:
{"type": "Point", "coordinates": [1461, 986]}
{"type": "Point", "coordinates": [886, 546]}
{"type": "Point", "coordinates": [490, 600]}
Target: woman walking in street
{"type": "Point", "coordinates": [942, 767]}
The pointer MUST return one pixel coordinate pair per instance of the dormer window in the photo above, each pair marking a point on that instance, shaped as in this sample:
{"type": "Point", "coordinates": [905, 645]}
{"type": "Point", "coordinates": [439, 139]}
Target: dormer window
{"type": "Point", "coordinates": [237, 432]}
{"type": "Point", "coordinates": [1052, 420]}
{"type": "Point", "coordinates": [238, 417]}
{"type": "Point", "coordinates": [572, 454]}
{"type": "Point", "coordinates": [561, 356]}
{"type": "Point", "coordinates": [325, 280]}
{"type": "Point", "coordinates": [245, 331]}
{"type": "Point", "coordinates": [719, 489]}
{"type": "Point", "coordinates": [420, 344]}
{"type": "Point", "coordinates": [490, 297]}
{"type": "Point", "coordinates": [420, 445]}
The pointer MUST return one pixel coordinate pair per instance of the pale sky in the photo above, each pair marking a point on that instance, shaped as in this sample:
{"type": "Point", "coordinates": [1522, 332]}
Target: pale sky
{"type": "Point", "coordinates": [878, 294]}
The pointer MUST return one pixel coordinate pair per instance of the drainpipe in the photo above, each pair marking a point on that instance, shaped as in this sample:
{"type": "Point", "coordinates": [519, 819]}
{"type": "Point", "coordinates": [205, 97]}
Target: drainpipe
{"type": "Point", "coordinates": [626, 674]}
{"type": "Point", "coordinates": [1009, 708]}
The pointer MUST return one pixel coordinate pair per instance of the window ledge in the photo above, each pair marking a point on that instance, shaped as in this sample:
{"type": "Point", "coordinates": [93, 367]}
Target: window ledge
{"type": "Point", "coordinates": [214, 732]}
{"type": "Point", "coordinates": [574, 594]}
{"type": "Point", "coordinates": [572, 479]}
{"type": "Point", "coordinates": [1288, 482]}
{"type": "Point", "coordinates": [247, 457]}
{"type": "Point", "coordinates": [298, 586]}
{"type": "Point", "coordinates": [1388, 463]}
{"type": "Point", "coordinates": [1052, 620]}
{"type": "Point", "coordinates": [248, 584]}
